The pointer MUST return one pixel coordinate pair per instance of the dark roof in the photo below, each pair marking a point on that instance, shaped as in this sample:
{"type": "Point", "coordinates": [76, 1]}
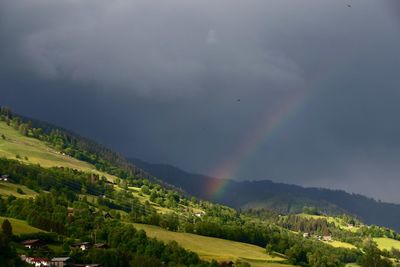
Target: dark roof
{"type": "Point", "coordinates": [101, 245]}
{"type": "Point", "coordinates": [30, 242]}
{"type": "Point", "coordinates": [81, 244]}
{"type": "Point", "coordinates": [87, 265]}
{"type": "Point", "coordinates": [60, 259]}
{"type": "Point", "coordinates": [38, 259]}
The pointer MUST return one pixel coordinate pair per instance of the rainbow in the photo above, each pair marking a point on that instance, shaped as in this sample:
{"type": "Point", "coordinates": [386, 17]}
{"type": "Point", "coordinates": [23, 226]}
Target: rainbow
{"type": "Point", "coordinates": [271, 124]}
{"type": "Point", "coordinates": [263, 132]}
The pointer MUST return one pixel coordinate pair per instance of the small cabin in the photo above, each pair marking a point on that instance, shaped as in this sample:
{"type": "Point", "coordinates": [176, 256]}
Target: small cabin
{"type": "Point", "coordinates": [199, 214]}
{"type": "Point", "coordinates": [61, 262]}
{"type": "Point", "coordinates": [70, 211]}
{"type": "Point", "coordinates": [87, 265]}
{"type": "Point", "coordinates": [82, 246]}
{"type": "Point", "coordinates": [107, 215]}
{"type": "Point", "coordinates": [32, 243]}
{"type": "Point", "coordinates": [101, 246]}
{"type": "Point", "coordinates": [6, 178]}
{"type": "Point", "coordinates": [327, 238]}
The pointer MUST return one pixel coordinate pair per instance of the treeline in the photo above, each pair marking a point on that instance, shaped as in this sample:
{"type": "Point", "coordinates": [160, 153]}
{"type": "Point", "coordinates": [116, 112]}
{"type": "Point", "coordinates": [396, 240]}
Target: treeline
{"type": "Point", "coordinates": [378, 231]}
{"type": "Point", "coordinates": [297, 223]}
{"type": "Point", "coordinates": [63, 180]}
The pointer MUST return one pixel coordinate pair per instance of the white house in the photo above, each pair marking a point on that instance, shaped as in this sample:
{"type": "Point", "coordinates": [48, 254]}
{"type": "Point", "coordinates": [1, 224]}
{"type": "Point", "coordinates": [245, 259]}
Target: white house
{"type": "Point", "coordinates": [83, 246]}
{"type": "Point", "coordinates": [327, 238]}
{"type": "Point", "coordinates": [200, 214]}
{"type": "Point", "coordinates": [37, 262]}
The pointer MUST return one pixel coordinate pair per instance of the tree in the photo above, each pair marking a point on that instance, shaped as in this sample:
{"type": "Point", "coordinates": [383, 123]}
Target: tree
{"type": "Point", "coordinates": [8, 255]}
{"type": "Point", "coordinates": [7, 228]}
{"type": "Point", "coordinates": [23, 129]}
{"type": "Point", "coordinates": [240, 263]}
{"type": "Point", "coordinates": [145, 189]}
{"type": "Point", "coordinates": [19, 191]}
{"type": "Point", "coordinates": [372, 256]}
{"type": "Point", "coordinates": [269, 249]}
{"type": "Point", "coordinates": [145, 261]}
{"type": "Point", "coordinates": [297, 255]}
{"type": "Point", "coordinates": [321, 259]}
{"type": "Point", "coordinates": [395, 253]}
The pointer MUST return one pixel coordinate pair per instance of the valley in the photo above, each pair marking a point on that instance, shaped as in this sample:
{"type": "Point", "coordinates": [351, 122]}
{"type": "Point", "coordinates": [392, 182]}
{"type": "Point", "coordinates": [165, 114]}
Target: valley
{"type": "Point", "coordinates": [47, 194]}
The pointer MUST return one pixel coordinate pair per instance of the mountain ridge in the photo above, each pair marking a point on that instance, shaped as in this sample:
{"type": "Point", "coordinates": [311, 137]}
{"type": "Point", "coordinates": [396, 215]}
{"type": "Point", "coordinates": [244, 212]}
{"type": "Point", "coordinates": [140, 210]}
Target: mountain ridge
{"type": "Point", "coordinates": [281, 197]}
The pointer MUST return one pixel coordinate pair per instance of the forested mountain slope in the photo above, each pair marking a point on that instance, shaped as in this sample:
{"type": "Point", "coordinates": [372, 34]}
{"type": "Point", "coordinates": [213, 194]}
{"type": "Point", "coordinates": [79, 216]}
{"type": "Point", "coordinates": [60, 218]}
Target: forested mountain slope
{"type": "Point", "coordinates": [55, 191]}
{"type": "Point", "coordinates": [281, 197]}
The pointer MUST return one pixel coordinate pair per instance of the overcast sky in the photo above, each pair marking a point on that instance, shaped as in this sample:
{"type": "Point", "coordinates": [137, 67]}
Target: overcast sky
{"type": "Point", "coordinates": [191, 83]}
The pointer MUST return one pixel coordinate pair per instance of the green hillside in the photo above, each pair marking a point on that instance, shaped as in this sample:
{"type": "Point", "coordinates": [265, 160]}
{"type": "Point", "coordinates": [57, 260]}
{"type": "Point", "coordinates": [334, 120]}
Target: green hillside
{"type": "Point", "coordinates": [7, 189]}
{"type": "Point", "coordinates": [33, 151]}
{"type": "Point", "coordinates": [20, 227]}
{"type": "Point", "coordinates": [29, 150]}
{"type": "Point", "coordinates": [213, 248]}
{"type": "Point", "coordinates": [387, 243]}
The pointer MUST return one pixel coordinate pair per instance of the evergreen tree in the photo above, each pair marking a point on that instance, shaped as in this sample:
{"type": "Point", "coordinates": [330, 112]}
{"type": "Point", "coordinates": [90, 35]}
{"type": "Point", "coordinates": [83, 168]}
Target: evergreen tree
{"type": "Point", "coordinates": [8, 256]}
{"type": "Point", "coordinates": [7, 228]}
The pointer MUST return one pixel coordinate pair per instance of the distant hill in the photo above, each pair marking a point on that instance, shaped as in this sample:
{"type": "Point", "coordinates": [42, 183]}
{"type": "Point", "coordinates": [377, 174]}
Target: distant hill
{"type": "Point", "coordinates": [281, 197]}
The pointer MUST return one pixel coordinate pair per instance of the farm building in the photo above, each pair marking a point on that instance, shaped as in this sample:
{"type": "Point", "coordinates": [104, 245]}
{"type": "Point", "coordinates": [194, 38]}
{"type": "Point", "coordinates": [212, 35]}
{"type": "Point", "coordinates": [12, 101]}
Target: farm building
{"type": "Point", "coordinates": [87, 265]}
{"type": "Point", "coordinates": [6, 178]}
{"type": "Point", "coordinates": [100, 245]}
{"type": "Point", "coordinates": [32, 243]}
{"type": "Point", "coordinates": [61, 262]}
{"type": "Point", "coordinates": [200, 214]}
{"type": "Point", "coordinates": [37, 262]}
{"type": "Point", "coordinates": [327, 238]}
{"type": "Point", "coordinates": [82, 246]}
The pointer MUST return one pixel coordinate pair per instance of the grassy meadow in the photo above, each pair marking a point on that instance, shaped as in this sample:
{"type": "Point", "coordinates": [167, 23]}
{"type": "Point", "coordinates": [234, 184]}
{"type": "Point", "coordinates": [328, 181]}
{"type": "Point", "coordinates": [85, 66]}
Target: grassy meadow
{"type": "Point", "coordinates": [387, 243]}
{"type": "Point", "coordinates": [7, 189]}
{"type": "Point", "coordinates": [214, 248]}
{"type": "Point", "coordinates": [20, 227]}
{"type": "Point", "coordinates": [33, 151]}
{"type": "Point", "coordinates": [339, 244]}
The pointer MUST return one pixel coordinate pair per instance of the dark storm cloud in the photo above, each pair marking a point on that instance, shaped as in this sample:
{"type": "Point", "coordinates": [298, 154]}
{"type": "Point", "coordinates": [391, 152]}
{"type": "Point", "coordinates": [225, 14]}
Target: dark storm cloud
{"type": "Point", "coordinates": [160, 80]}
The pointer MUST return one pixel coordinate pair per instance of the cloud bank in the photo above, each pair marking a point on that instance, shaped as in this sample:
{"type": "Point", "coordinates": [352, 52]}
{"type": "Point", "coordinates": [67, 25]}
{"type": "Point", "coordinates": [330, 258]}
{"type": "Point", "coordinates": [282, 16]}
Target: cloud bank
{"type": "Point", "coordinates": [187, 82]}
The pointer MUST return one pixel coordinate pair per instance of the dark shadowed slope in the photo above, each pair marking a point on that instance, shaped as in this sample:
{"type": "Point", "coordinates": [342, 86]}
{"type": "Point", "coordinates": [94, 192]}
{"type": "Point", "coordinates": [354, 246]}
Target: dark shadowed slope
{"type": "Point", "coordinates": [278, 196]}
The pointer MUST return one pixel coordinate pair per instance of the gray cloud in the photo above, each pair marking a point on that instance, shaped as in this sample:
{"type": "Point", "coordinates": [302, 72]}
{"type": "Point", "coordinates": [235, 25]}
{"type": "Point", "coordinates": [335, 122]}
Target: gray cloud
{"type": "Point", "coordinates": [142, 45]}
{"type": "Point", "coordinates": [160, 80]}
